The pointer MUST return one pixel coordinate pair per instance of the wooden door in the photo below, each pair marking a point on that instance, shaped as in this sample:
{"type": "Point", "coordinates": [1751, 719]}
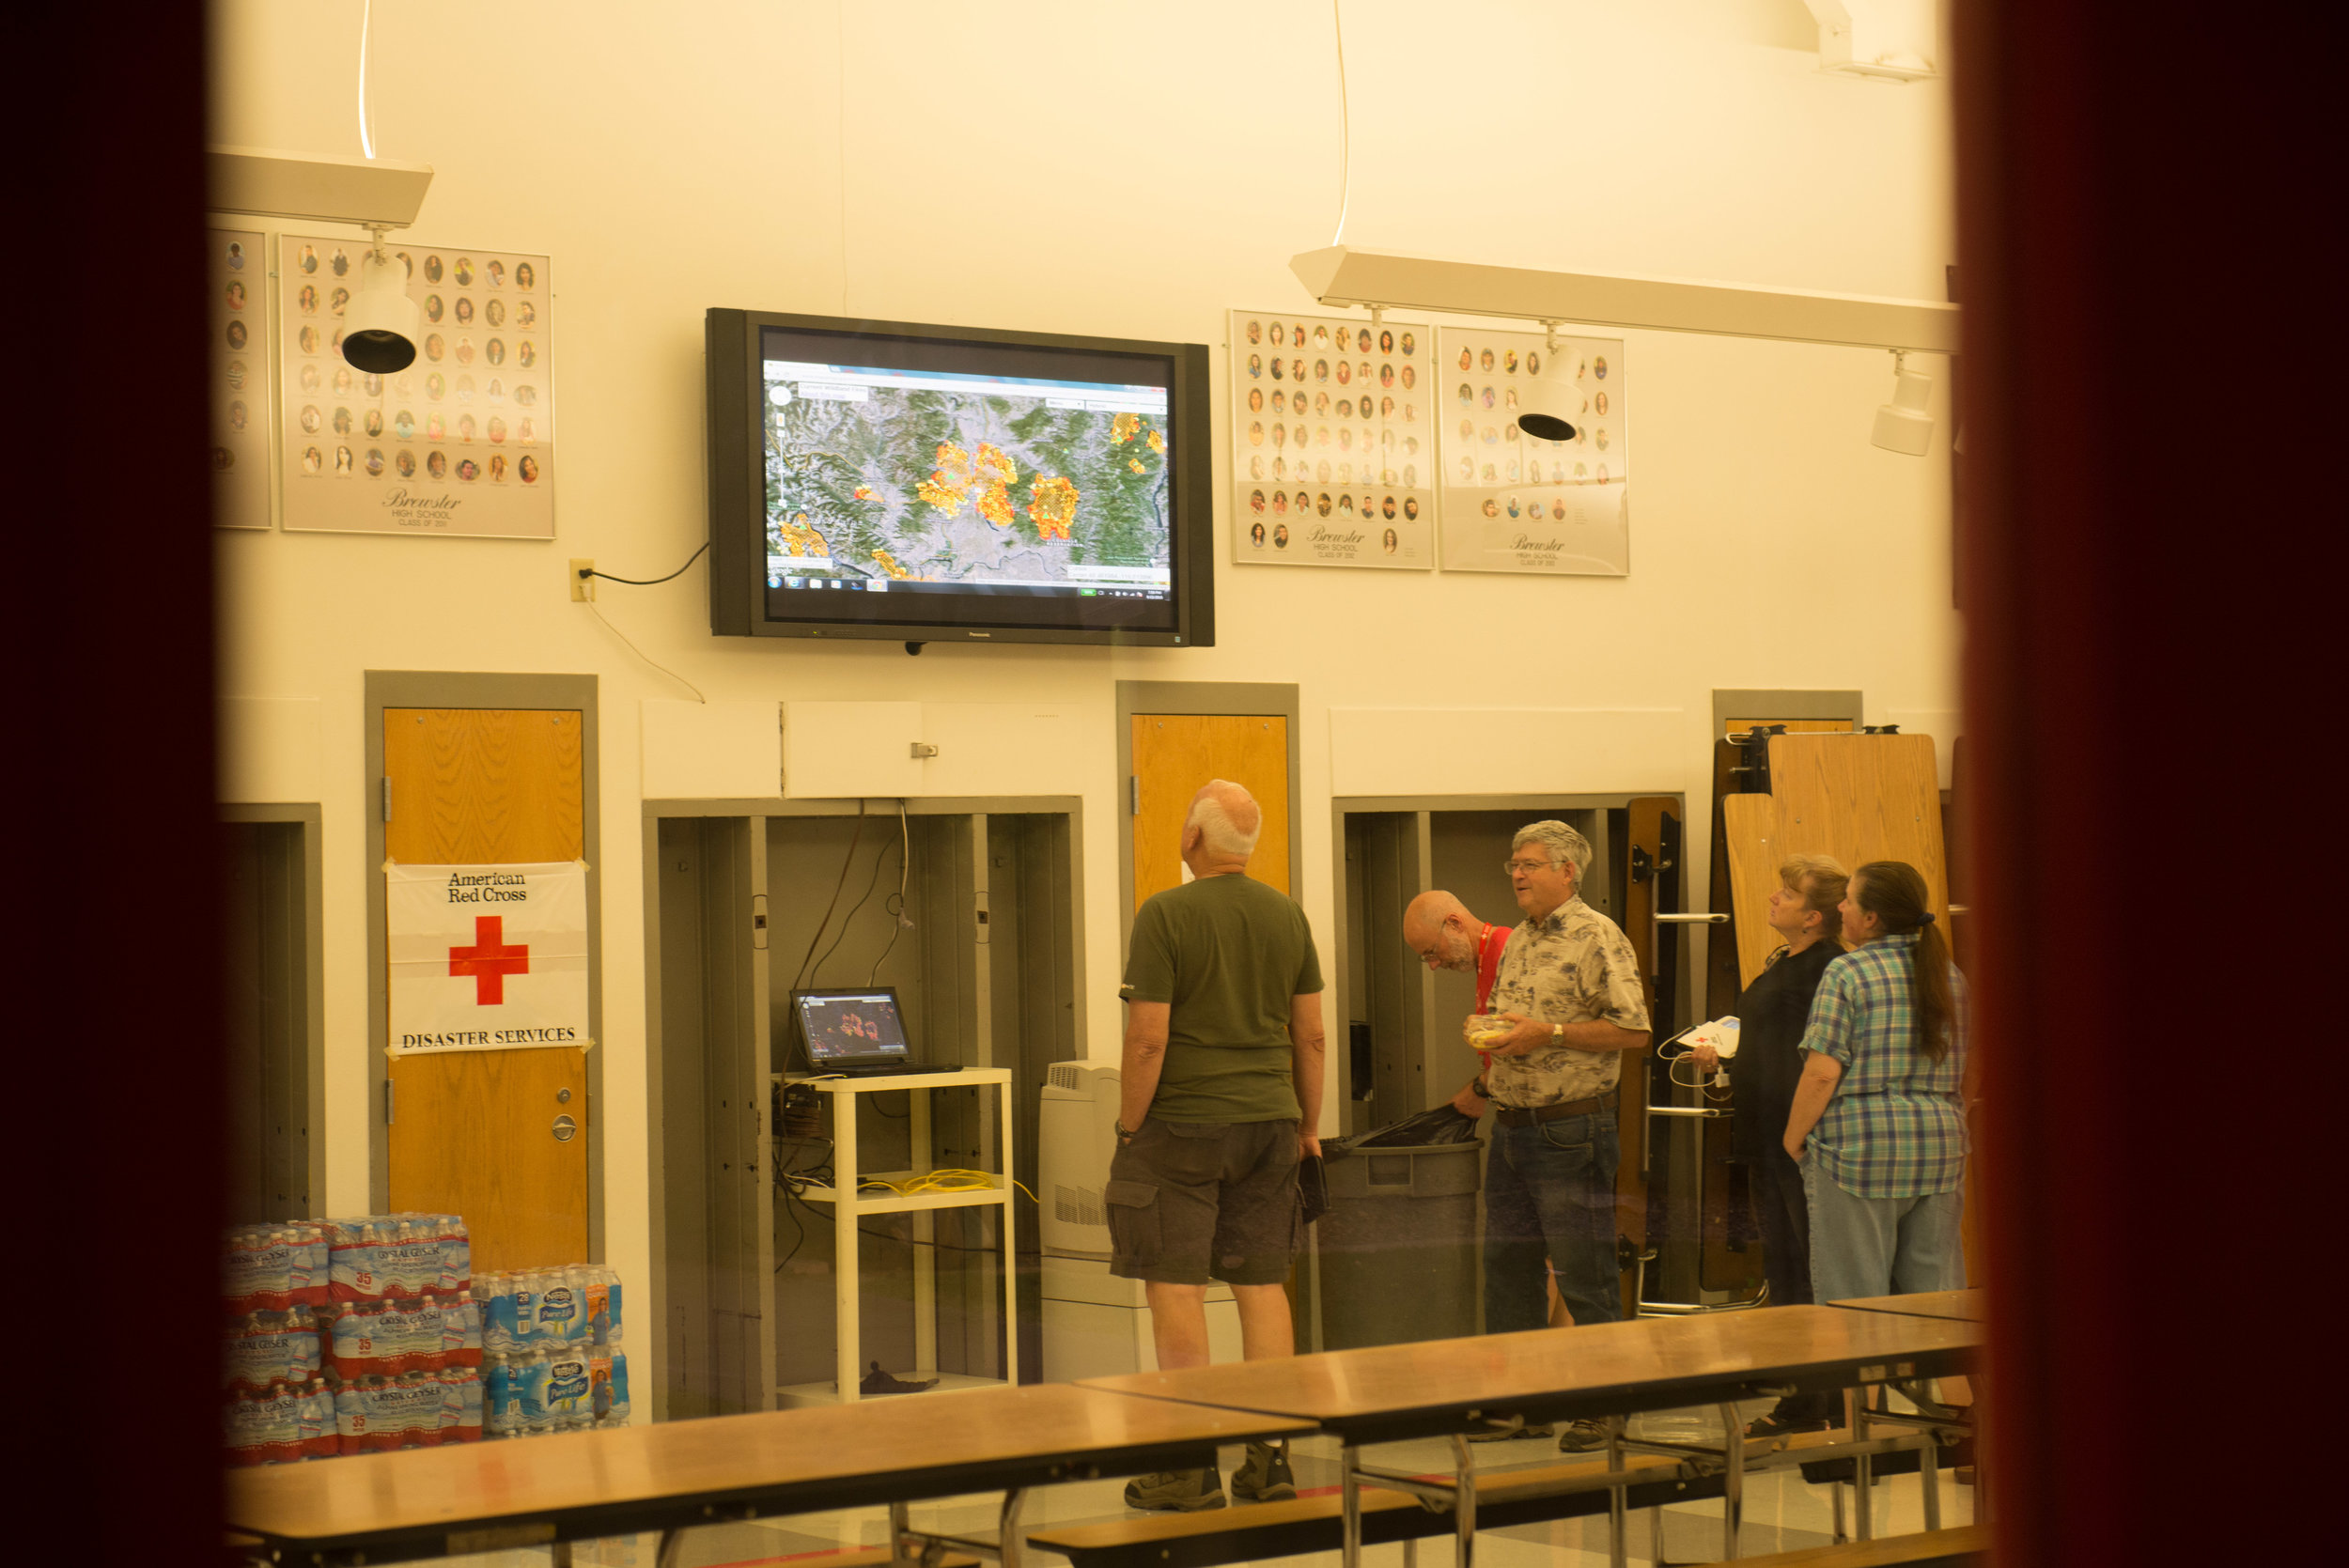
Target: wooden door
{"type": "Point", "coordinates": [472, 1132]}
{"type": "Point", "coordinates": [1174, 753]}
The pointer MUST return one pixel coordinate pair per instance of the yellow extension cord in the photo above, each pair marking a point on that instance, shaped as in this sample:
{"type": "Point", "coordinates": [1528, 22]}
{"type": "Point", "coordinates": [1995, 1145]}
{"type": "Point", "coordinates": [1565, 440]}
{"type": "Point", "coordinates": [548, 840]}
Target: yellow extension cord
{"type": "Point", "coordinates": [945, 1181]}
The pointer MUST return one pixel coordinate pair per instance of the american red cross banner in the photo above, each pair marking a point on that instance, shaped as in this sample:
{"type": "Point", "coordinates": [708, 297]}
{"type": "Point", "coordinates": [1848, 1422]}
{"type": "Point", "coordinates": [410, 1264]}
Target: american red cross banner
{"type": "Point", "coordinates": [486, 957]}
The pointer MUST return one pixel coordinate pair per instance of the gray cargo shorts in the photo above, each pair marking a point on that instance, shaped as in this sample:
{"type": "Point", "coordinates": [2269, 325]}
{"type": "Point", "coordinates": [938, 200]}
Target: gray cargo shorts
{"type": "Point", "coordinates": [1191, 1201]}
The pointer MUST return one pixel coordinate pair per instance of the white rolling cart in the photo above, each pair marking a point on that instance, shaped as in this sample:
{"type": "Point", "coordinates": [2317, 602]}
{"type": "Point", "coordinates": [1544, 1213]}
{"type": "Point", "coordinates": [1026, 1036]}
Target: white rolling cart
{"type": "Point", "coordinates": [850, 1204]}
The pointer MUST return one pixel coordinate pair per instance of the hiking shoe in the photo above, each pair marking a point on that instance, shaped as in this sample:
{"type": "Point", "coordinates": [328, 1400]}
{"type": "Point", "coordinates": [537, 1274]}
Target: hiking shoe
{"type": "Point", "coordinates": [1582, 1437]}
{"type": "Point", "coordinates": [1178, 1491]}
{"type": "Point", "coordinates": [1265, 1477]}
{"type": "Point", "coordinates": [1517, 1428]}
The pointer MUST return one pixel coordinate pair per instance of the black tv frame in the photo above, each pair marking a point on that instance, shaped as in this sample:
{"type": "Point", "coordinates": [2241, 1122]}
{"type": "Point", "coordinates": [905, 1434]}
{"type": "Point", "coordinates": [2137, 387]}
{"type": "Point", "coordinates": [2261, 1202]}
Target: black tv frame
{"type": "Point", "coordinates": [738, 487]}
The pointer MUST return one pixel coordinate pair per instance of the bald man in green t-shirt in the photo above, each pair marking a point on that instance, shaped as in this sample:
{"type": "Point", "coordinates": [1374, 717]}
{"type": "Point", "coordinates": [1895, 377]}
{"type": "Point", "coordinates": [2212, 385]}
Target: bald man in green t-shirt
{"type": "Point", "coordinates": [1221, 1079]}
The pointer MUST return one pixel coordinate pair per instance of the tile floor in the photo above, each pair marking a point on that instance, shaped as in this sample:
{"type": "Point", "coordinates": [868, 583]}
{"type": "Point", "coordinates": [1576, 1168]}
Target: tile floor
{"type": "Point", "coordinates": [1782, 1512]}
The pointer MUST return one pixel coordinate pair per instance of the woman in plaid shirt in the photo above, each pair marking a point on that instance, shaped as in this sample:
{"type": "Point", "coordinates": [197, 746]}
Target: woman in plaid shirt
{"type": "Point", "coordinates": [1878, 1123]}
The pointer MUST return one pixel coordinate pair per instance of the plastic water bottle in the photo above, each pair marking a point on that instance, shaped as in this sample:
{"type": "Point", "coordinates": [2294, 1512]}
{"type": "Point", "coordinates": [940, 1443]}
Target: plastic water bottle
{"type": "Point", "coordinates": [456, 1255]}
{"type": "Point", "coordinates": [500, 1405]}
{"type": "Point", "coordinates": [525, 1310]}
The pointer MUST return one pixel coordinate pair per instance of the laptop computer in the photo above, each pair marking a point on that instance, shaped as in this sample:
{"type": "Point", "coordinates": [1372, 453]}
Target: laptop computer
{"type": "Point", "coordinates": [856, 1030]}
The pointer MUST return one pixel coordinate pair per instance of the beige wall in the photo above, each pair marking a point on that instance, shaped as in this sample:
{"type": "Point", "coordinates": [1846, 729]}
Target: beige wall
{"type": "Point", "coordinates": [1090, 167]}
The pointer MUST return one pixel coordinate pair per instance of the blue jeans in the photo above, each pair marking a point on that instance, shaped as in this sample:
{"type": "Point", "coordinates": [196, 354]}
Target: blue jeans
{"type": "Point", "coordinates": [1549, 1203]}
{"type": "Point", "coordinates": [1863, 1247]}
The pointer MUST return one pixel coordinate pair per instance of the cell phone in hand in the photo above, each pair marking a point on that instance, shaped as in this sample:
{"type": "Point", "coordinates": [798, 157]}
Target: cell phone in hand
{"type": "Point", "coordinates": [1312, 1186]}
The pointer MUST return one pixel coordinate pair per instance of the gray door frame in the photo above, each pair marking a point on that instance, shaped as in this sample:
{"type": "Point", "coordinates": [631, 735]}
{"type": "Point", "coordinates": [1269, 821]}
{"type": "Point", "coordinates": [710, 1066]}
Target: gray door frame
{"type": "Point", "coordinates": [1207, 698]}
{"type": "Point", "coordinates": [755, 810]}
{"type": "Point", "coordinates": [310, 818]}
{"type": "Point", "coordinates": [461, 688]}
{"type": "Point", "coordinates": [1415, 997]}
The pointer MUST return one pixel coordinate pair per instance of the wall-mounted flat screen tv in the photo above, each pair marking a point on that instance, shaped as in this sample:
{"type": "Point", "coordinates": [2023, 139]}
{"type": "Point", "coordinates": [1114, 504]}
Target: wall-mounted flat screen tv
{"type": "Point", "coordinates": [878, 479]}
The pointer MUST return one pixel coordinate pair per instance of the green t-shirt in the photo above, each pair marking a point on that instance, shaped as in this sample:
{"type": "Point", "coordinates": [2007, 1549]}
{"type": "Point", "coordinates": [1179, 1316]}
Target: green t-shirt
{"type": "Point", "coordinates": [1227, 954]}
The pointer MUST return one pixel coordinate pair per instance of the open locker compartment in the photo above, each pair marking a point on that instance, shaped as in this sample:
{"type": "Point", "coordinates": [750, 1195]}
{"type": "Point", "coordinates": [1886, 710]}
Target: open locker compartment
{"type": "Point", "coordinates": [984, 947]}
{"type": "Point", "coordinates": [1395, 1024]}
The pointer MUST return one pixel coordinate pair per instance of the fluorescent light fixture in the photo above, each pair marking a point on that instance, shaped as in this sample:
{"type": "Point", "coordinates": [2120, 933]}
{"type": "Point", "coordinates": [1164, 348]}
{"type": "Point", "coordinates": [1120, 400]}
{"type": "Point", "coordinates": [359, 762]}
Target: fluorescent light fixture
{"type": "Point", "coordinates": [1902, 425]}
{"type": "Point", "coordinates": [371, 192]}
{"type": "Point", "coordinates": [1341, 275]}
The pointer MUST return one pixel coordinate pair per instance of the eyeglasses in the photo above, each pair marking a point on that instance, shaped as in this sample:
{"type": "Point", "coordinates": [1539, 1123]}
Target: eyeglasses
{"type": "Point", "coordinates": [1510, 868]}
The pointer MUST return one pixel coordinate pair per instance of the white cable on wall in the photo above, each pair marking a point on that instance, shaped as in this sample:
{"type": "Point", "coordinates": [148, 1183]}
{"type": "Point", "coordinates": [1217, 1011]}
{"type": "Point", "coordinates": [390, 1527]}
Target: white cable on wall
{"type": "Point", "coordinates": [367, 135]}
{"type": "Point", "coordinates": [1345, 127]}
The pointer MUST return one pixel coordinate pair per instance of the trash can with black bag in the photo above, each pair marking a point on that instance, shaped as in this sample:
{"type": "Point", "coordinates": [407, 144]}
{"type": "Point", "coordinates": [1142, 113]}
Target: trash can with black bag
{"type": "Point", "coordinates": [1397, 1254]}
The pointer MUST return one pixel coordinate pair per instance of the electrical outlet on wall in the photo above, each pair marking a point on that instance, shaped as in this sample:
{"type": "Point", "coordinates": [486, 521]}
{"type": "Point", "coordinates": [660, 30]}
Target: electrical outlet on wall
{"type": "Point", "coordinates": [582, 585]}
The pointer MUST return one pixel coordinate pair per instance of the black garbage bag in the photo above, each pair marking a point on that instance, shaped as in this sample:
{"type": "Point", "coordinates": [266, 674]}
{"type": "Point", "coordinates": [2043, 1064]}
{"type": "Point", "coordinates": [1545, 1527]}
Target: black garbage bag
{"type": "Point", "coordinates": [1437, 1125]}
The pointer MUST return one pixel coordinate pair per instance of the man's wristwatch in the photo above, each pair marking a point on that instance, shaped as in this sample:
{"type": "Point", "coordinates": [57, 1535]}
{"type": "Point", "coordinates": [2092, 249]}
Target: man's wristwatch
{"type": "Point", "coordinates": [1556, 1035]}
{"type": "Point", "coordinates": [1125, 1133]}
{"type": "Point", "coordinates": [1479, 1090]}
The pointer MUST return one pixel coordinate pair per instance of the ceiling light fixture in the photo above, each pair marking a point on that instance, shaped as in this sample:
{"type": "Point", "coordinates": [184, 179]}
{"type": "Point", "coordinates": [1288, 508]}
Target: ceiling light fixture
{"type": "Point", "coordinates": [1552, 403]}
{"type": "Point", "coordinates": [1342, 275]}
{"type": "Point", "coordinates": [381, 327]}
{"type": "Point", "coordinates": [1902, 425]}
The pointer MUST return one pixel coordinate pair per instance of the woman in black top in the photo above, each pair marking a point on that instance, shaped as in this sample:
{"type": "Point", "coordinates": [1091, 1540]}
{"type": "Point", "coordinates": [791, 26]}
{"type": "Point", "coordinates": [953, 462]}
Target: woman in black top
{"type": "Point", "coordinates": [1771, 1016]}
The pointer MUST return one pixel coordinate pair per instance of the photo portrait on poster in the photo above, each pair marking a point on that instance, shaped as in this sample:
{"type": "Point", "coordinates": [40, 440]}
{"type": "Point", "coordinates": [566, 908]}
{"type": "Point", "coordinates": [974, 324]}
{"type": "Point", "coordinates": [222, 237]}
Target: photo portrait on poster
{"type": "Point", "coordinates": [460, 442]}
{"type": "Point", "coordinates": [1512, 504]}
{"type": "Point", "coordinates": [238, 280]}
{"type": "Point", "coordinates": [486, 957]}
{"type": "Point", "coordinates": [1333, 441]}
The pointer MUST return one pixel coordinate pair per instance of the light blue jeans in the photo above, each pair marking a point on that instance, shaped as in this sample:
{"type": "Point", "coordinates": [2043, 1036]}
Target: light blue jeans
{"type": "Point", "coordinates": [1880, 1246]}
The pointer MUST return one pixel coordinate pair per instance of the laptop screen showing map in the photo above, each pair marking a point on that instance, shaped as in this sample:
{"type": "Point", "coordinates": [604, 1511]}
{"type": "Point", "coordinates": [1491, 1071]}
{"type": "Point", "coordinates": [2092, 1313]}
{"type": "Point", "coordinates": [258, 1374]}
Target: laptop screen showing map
{"type": "Point", "coordinates": [841, 1026]}
{"type": "Point", "coordinates": [1011, 484]}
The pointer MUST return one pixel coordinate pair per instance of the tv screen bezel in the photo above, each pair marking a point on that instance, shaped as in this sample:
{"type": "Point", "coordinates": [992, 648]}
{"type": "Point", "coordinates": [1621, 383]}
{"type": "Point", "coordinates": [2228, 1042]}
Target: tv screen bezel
{"type": "Point", "coordinates": [737, 486]}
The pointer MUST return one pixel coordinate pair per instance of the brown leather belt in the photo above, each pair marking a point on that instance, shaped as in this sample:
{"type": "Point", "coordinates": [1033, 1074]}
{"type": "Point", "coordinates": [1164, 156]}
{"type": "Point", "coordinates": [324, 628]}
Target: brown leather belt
{"type": "Point", "coordinates": [1511, 1116]}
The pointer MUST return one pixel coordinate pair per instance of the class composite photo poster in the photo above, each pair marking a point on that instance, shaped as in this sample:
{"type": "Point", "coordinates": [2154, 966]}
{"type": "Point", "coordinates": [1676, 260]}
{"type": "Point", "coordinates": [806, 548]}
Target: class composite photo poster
{"type": "Point", "coordinates": [239, 275]}
{"type": "Point", "coordinates": [1512, 504]}
{"type": "Point", "coordinates": [460, 442]}
{"type": "Point", "coordinates": [1333, 441]}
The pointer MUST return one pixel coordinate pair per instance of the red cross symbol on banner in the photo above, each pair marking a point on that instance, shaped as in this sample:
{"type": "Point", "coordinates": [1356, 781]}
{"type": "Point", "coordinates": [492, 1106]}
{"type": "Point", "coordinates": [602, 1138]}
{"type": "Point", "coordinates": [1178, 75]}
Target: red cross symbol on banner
{"type": "Point", "coordinates": [489, 960]}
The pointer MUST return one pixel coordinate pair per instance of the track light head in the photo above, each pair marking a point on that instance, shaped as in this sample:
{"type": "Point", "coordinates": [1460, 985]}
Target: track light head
{"type": "Point", "coordinates": [381, 326]}
{"type": "Point", "coordinates": [1552, 406]}
{"type": "Point", "coordinates": [1902, 425]}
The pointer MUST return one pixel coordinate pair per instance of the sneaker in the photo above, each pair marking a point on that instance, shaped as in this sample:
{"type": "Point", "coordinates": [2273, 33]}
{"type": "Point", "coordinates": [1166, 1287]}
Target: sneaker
{"type": "Point", "coordinates": [1517, 1428]}
{"type": "Point", "coordinates": [1265, 1477]}
{"type": "Point", "coordinates": [1780, 1424]}
{"type": "Point", "coordinates": [1179, 1491]}
{"type": "Point", "coordinates": [1920, 1394]}
{"type": "Point", "coordinates": [1582, 1437]}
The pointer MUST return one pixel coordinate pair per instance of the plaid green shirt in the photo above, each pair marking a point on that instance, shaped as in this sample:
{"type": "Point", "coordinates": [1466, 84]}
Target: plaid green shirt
{"type": "Point", "coordinates": [1896, 1127]}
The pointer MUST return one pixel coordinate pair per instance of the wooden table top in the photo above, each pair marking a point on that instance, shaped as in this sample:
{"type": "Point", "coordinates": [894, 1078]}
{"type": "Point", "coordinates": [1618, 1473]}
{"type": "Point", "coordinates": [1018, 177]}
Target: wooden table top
{"type": "Point", "coordinates": [1402, 1391]}
{"type": "Point", "coordinates": [1960, 1306]}
{"type": "Point", "coordinates": [674, 1473]}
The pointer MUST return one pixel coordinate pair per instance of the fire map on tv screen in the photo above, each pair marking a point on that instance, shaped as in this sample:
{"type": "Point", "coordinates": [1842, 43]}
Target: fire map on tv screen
{"type": "Point", "coordinates": [884, 479]}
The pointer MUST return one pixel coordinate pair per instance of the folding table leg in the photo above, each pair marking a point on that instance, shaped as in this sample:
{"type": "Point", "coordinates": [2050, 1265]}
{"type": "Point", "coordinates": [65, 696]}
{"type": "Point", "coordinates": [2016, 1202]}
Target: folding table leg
{"type": "Point", "coordinates": [1655, 1537]}
{"type": "Point", "coordinates": [1618, 1497]}
{"type": "Point", "coordinates": [672, 1548]}
{"type": "Point", "coordinates": [1008, 1542]}
{"type": "Point", "coordinates": [560, 1554]}
{"type": "Point", "coordinates": [1863, 1472]}
{"type": "Point", "coordinates": [1929, 1470]}
{"type": "Point", "coordinates": [1410, 1551]}
{"type": "Point", "coordinates": [1463, 1501]}
{"type": "Point", "coordinates": [1350, 1506]}
{"type": "Point", "coordinates": [900, 1524]}
{"type": "Point", "coordinates": [1732, 1478]}
{"type": "Point", "coordinates": [1835, 1490]}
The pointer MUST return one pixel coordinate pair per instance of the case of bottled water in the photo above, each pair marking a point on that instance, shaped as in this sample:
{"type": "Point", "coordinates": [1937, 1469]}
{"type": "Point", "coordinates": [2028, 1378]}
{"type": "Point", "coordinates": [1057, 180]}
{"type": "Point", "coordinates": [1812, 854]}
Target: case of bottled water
{"type": "Point", "coordinates": [578, 1304]}
{"type": "Point", "coordinates": [349, 1336]}
{"type": "Point", "coordinates": [266, 1348]}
